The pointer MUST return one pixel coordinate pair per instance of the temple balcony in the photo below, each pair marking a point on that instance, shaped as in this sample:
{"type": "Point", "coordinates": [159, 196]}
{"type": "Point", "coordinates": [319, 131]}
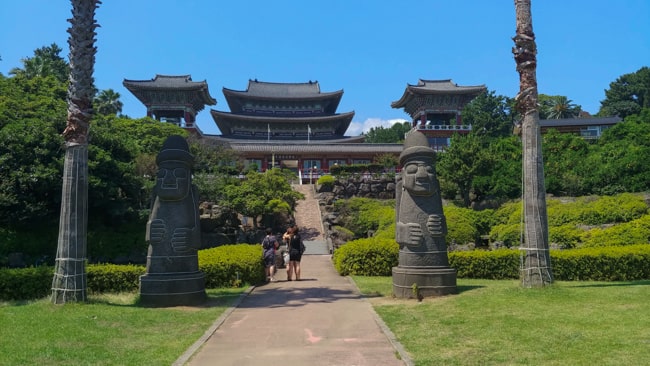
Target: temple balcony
{"type": "Point", "coordinates": [460, 128]}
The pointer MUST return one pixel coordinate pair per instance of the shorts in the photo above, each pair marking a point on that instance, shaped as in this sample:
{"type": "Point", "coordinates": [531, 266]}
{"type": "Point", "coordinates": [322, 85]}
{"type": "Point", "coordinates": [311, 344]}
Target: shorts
{"type": "Point", "coordinates": [269, 261]}
{"type": "Point", "coordinates": [295, 255]}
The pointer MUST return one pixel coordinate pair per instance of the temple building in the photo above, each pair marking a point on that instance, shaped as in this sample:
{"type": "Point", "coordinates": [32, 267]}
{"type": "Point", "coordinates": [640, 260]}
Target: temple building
{"type": "Point", "coordinates": [435, 108]}
{"type": "Point", "coordinates": [174, 99]}
{"type": "Point", "coordinates": [294, 126]}
{"type": "Point", "coordinates": [289, 125]}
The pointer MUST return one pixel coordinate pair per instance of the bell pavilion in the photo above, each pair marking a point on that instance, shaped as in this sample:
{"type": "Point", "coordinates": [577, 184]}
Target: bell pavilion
{"type": "Point", "coordinates": [174, 99]}
{"type": "Point", "coordinates": [435, 108]}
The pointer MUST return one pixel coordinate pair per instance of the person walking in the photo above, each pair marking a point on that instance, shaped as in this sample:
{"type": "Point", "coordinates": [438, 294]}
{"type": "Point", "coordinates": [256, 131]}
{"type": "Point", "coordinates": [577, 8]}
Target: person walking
{"type": "Point", "coordinates": [296, 249]}
{"type": "Point", "coordinates": [269, 245]}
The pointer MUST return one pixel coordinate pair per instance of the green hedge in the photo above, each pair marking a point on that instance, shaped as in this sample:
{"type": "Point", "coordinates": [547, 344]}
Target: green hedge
{"type": "Point", "coordinates": [366, 257]}
{"type": "Point", "coordinates": [224, 266]}
{"type": "Point", "coordinates": [496, 264]}
{"type": "Point", "coordinates": [625, 263]}
{"type": "Point", "coordinates": [376, 257]}
{"type": "Point", "coordinates": [232, 265]}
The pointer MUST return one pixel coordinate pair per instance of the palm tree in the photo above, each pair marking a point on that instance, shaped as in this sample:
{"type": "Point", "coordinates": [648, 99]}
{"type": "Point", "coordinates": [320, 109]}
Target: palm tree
{"type": "Point", "coordinates": [107, 102]}
{"type": "Point", "coordinates": [69, 282]}
{"type": "Point", "coordinates": [536, 271]}
{"type": "Point", "coordinates": [559, 106]}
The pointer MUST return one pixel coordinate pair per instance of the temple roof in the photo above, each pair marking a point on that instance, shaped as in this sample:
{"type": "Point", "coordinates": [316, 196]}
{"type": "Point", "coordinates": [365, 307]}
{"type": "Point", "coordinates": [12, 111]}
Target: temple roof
{"type": "Point", "coordinates": [436, 87]}
{"type": "Point", "coordinates": [295, 93]}
{"type": "Point", "coordinates": [336, 123]}
{"type": "Point", "coordinates": [196, 92]}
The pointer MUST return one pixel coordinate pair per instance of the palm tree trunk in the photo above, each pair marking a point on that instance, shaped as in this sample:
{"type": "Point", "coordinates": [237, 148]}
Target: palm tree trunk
{"type": "Point", "coordinates": [69, 282]}
{"type": "Point", "coordinates": [536, 263]}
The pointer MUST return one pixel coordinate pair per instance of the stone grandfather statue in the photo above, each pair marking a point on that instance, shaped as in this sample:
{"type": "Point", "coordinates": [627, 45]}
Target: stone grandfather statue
{"type": "Point", "coordinates": [423, 268]}
{"type": "Point", "coordinates": [173, 232]}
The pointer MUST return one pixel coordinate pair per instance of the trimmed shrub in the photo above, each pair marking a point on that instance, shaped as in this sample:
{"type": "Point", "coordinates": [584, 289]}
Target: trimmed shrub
{"type": "Point", "coordinates": [366, 257]}
{"type": "Point", "coordinates": [25, 283]}
{"type": "Point", "coordinates": [326, 181]}
{"type": "Point", "coordinates": [114, 278]}
{"type": "Point", "coordinates": [232, 265]}
{"type": "Point", "coordinates": [497, 264]}
{"type": "Point", "coordinates": [629, 233]}
{"type": "Point", "coordinates": [460, 226]}
{"type": "Point", "coordinates": [565, 236]}
{"type": "Point", "coordinates": [602, 264]}
{"type": "Point", "coordinates": [508, 234]}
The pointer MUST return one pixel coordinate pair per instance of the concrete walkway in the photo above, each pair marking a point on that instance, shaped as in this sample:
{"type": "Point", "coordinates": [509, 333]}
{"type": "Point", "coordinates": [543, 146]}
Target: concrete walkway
{"type": "Point", "coordinates": [318, 321]}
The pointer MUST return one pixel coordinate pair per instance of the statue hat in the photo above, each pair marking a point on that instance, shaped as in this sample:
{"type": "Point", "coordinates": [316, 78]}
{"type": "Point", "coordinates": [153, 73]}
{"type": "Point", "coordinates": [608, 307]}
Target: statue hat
{"type": "Point", "coordinates": [175, 148]}
{"type": "Point", "coordinates": [416, 144]}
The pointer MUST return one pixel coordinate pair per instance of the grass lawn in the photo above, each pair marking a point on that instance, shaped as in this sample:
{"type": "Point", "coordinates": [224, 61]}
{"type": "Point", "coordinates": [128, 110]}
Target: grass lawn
{"type": "Point", "coordinates": [499, 323]}
{"type": "Point", "coordinates": [108, 330]}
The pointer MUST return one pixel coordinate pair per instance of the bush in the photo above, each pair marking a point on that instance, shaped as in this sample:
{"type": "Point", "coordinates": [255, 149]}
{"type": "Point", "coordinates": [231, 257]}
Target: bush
{"type": "Point", "coordinates": [565, 236]}
{"type": "Point", "coordinates": [629, 233]}
{"type": "Point", "coordinates": [602, 264]}
{"type": "Point", "coordinates": [114, 278]}
{"type": "Point", "coordinates": [224, 266]}
{"type": "Point", "coordinates": [232, 265]}
{"type": "Point", "coordinates": [508, 234]}
{"type": "Point", "coordinates": [25, 283]}
{"type": "Point", "coordinates": [460, 226]}
{"type": "Point", "coordinates": [326, 181]}
{"type": "Point", "coordinates": [497, 264]}
{"type": "Point", "coordinates": [366, 257]}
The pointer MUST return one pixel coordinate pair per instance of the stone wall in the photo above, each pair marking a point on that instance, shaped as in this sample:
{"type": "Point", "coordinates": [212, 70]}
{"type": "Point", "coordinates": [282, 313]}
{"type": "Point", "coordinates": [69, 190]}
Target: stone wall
{"type": "Point", "coordinates": [359, 185]}
{"type": "Point", "coordinates": [368, 186]}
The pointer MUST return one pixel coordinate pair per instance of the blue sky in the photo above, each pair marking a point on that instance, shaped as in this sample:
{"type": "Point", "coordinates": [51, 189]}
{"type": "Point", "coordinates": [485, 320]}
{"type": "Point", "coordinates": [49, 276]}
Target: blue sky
{"type": "Point", "coordinates": [369, 48]}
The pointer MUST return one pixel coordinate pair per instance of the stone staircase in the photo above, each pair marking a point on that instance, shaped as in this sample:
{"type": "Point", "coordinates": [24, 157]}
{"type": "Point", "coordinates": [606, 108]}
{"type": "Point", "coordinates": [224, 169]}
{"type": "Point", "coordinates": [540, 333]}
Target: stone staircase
{"type": "Point", "coordinates": [308, 218]}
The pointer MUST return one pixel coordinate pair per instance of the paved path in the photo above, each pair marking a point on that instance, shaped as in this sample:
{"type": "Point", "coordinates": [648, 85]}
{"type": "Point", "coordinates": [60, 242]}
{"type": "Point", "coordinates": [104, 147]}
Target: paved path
{"type": "Point", "coordinates": [318, 321]}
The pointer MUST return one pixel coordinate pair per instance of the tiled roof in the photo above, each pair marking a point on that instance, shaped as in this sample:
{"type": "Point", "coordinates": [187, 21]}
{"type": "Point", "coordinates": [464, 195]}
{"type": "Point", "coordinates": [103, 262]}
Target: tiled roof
{"type": "Point", "coordinates": [429, 87]}
{"type": "Point", "coordinates": [196, 91]}
{"type": "Point", "coordinates": [267, 90]}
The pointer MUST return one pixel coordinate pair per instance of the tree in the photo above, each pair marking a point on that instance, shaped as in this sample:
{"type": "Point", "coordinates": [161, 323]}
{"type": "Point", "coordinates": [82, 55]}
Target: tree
{"type": "Point", "coordinates": [262, 194]}
{"type": "Point", "coordinates": [462, 161]}
{"type": "Point", "coordinates": [537, 261]}
{"type": "Point", "coordinates": [69, 282]}
{"type": "Point", "coordinates": [394, 134]}
{"type": "Point", "coordinates": [489, 114]}
{"type": "Point", "coordinates": [45, 62]}
{"type": "Point", "coordinates": [564, 154]}
{"type": "Point", "coordinates": [627, 95]}
{"type": "Point", "coordinates": [107, 102]}
{"type": "Point", "coordinates": [557, 107]}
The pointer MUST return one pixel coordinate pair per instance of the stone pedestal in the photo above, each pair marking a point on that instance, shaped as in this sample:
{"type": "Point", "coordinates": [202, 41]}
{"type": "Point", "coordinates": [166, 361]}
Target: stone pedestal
{"type": "Point", "coordinates": [430, 282]}
{"type": "Point", "coordinates": [160, 290]}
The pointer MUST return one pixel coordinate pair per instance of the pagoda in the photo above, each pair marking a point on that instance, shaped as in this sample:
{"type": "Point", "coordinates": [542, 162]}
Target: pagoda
{"type": "Point", "coordinates": [435, 107]}
{"type": "Point", "coordinates": [282, 111]}
{"type": "Point", "coordinates": [175, 99]}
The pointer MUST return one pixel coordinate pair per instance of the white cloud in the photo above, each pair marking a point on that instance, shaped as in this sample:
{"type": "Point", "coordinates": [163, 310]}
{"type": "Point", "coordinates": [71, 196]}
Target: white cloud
{"type": "Point", "coordinates": [357, 128]}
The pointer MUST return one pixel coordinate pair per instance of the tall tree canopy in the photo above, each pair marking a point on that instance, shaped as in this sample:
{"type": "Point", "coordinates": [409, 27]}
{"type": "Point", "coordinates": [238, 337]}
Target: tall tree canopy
{"type": "Point", "coordinates": [627, 95]}
{"type": "Point", "coordinates": [489, 114]}
{"type": "Point", "coordinates": [45, 62]}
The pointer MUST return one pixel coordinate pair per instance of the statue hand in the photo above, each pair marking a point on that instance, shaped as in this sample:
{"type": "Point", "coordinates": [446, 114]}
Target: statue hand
{"type": "Point", "coordinates": [409, 234]}
{"type": "Point", "coordinates": [181, 240]}
{"type": "Point", "coordinates": [436, 225]}
{"type": "Point", "coordinates": [156, 231]}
